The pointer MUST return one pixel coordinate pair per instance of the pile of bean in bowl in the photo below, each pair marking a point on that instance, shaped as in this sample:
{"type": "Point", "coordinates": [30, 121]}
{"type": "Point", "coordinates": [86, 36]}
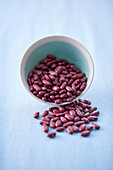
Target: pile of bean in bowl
{"type": "Point", "coordinates": [73, 117]}
{"type": "Point", "coordinates": [56, 81]}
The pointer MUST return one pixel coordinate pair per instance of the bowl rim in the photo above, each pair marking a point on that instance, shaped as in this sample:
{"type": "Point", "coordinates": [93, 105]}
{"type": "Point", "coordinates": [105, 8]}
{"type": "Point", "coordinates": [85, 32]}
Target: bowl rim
{"type": "Point", "coordinates": [51, 38]}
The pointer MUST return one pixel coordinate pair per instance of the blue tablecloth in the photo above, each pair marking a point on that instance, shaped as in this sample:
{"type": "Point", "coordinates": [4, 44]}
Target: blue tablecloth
{"type": "Point", "coordinates": [23, 145]}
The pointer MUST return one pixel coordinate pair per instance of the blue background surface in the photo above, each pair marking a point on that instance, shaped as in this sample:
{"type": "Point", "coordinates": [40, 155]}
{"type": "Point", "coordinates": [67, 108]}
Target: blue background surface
{"type": "Point", "coordinates": [23, 145]}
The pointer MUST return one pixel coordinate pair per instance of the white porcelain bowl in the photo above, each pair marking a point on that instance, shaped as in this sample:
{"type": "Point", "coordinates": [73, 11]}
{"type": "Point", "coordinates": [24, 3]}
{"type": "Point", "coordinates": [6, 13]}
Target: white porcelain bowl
{"type": "Point", "coordinates": [62, 47]}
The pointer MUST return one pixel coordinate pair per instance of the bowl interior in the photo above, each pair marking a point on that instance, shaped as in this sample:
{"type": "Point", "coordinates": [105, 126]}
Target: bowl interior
{"type": "Point", "coordinates": [62, 50]}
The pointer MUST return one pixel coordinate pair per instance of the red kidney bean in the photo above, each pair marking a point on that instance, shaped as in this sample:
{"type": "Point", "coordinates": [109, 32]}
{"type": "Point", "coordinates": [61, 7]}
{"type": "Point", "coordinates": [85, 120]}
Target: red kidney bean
{"type": "Point", "coordinates": [58, 69]}
{"type": "Point", "coordinates": [54, 119]}
{"type": "Point", "coordinates": [52, 108]}
{"type": "Point", "coordinates": [76, 82]}
{"type": "Point", "coordinates": [45, 128]}
{"type": "Point", "coordinates": [85, 119]}
{"type": "Point", "coordinates": [41, 93]}
{"type": "Point", "coordinates": [72, 112]}
{"type": "Point", "coordinates": [73, 87]}
{"type": "Point", "coordinates": [59, 129]}
{"type": "Point", "coordinates": [51, 134]}
{"type": "Point", "coordinates": [46, 95]}
{"type": "Point", "coordinates": [95, 113]}
{"type": "Point", "coordinates": [78, 86]}
{"type": "Point", "coordinates": [44, 88]}
{"type": "Point", "coordinates": [63, 119]}
{"type": "Point", "coordinates": [44, 123]}
{"type": "Point", "coordinates": [31, 88]}
{"type": "Point", "coordinates": [82, 105]}
{"type": "Point", "coordinates": [79, 123]}
{"type": "Point", "coordinates": [79, 113]}
{"type": "Point", "coordinates": [47, 83]}
{"type": "Point", "coordinates": [52, 77]}
{"type": "Point", "coordinates": [78, 92]}
{"type": "Point", "coordinates": [86, 110]}
{"type": "Point", "coordinates": [74, 67]}
{"type": "Point", "coordinates": [52, 97]}
{"type": "Point", "coordinates": [58, 123]}
{"type": "Point", "coordinates": [76, 119]}
{"type": "Point", "coordinates": [58, 101]}
{"type": "Point", "coordinates": [70, 82]}
{"type": "Point", "coordinates": [86, 114]}
{"type": "Point", "coordinates": [69, 130]}
{"type": "Point", "coordinates": [69, 117]}
{"type": "Point", "coordinates": [45, 68]}
{"type": "Point", "coordinates": [64, 72]}
{"type": "Point", "coordinates": [63, 85]}
{"type": "Point", "coordinates": [32, 80]}
{"type": "Point", "coordinates": [85, 133]}
{"type": "Point", "coordinates": [53, 92]}
{"type": "Point", "coordinates": [69, 75]}
{"type": "Point", "coordinates": [55, 88]}
{"type": "Point", "coordinates": [73, 72]}
{"type": "Point", "coordinates": [88, 106]}
{"type": "Point", "coordinates": [89, 127]}
{"type": "Point", "coordinates": [50, 100]}
{"type": "Point", "coordinates": [82, 127]}
{"type": "Point", "coordinates": [39, 66]}
{"type": "Point", "coordinates": [52, 125]}
{"type": "Point", "coordinates": [87, 101]}
{"type": "Point", "coordinates": [63, 95]}
{"type": "Point", "coordinates": [30, 74]}
{"type": "Point", "coordinates": [68, 88]}
{"type": "Point", "coordinates": [91, 118]}
{"type": "Point", "coordinates": [51, 57]}
{"type": "Point", "coordinates": [56, 110]}
{"type": "Point", "coordinates": [49, 116]}
{"type": "Point", "coordinates": [39, 72]}
{"type": "Point", "coordinates": [75, 128]}
{"type": "Point", "coordinates": [78, 76]}
{"type": "Point", "coordinates": [53, 73]}
{"type": "Point", "coordinates": [36, 115]}
{"type": "Point", "coordinates": [44, 98]}
{"type": "Point", "coordinates": [69, 94]}
{"type": "Point", "coordinates": [44, 61]}
{"type": "Point", "coordinates": [92, 109]}
{"type": "Point", "coordinates": [79, 108]}
{"type": "Point", "coordinates": [57, 96]}
{"type": "Point", "coordinates": [70, 99]}
{"type": "Point", "coordinates": [68, 124]}
{"type": "Point", "coordinates": [53, 113]}
{"type": "Point", "coordinates": [61, 108]}
{"type": "Point", "coordinates": [62, 91]}
{"type": "Point", "coordinates": [53, 65]}
{"type": "Point", "coordinates": [35, 92]}
{"type": "Point", "coordinates": [60, 114]}
{"type": "Point", "coordinates": [95, 125]}
{"type": "Point", "coordinates": [45, 119]}
{"type": "Point", "coordinates": [29, 81]}
{"type": "Point", "coordinates": [47, 78]}
{"type": "Point", "coordinates": [36, 87]}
